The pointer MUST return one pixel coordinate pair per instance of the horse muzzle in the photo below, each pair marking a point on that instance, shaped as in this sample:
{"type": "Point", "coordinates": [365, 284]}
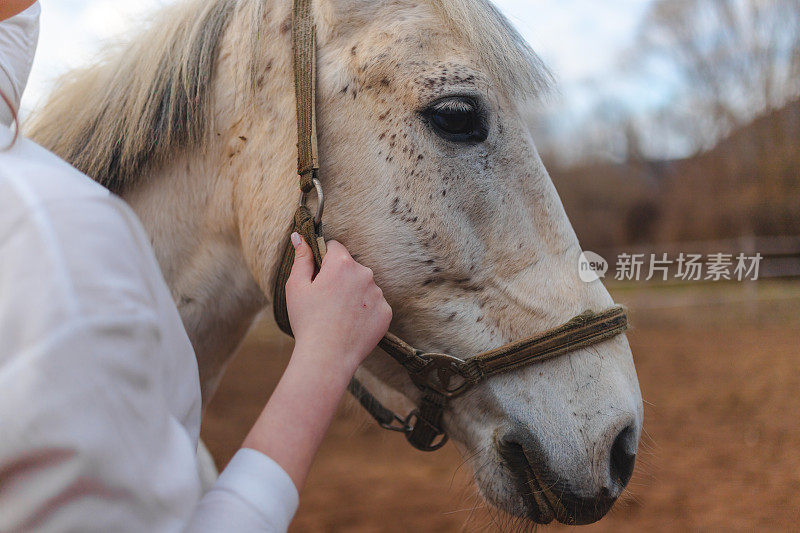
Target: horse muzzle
{"type": "Point", "coordinates": [548, 497]}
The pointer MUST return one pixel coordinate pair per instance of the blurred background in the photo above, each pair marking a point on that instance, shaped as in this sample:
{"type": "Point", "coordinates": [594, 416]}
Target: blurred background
{"type": "Point", "coordinates": [674, 128]}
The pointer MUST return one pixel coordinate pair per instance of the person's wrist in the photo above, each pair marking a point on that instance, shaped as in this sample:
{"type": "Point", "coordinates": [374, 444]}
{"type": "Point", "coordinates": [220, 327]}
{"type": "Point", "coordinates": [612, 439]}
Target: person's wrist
{"type": "Point", "coordinates": [332, 361]}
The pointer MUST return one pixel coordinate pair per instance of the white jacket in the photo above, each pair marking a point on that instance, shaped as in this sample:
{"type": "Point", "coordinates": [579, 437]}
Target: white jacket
{"type": "Point", "coordinates": [99, 388]}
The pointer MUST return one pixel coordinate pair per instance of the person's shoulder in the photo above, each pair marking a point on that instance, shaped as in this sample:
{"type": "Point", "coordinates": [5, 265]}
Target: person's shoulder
{"type": "Point", "coordinates": [33, 175]}
{"type": "Point", "coordinates": [25, 20]}
{"type": "Point", "coordinates": [18, 37]}
{"type": "Point", "coordinates": [68, 234]}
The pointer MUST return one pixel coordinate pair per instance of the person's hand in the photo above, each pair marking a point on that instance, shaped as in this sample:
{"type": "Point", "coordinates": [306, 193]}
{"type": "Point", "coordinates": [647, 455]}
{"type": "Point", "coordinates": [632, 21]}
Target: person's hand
{"type": "Point", "coordinates": [341, 313]}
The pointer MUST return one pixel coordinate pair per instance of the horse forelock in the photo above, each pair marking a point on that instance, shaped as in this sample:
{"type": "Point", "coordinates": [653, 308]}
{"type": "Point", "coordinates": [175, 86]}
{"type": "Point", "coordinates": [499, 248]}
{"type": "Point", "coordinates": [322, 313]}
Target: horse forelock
{"type": "Point", "coordinates": [503, 51]}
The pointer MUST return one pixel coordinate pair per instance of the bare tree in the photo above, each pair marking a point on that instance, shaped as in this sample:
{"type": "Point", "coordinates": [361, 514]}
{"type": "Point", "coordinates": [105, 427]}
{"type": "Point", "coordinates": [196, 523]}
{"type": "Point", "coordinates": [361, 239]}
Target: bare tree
{"type": "Point", "coordinates": [738, 59]}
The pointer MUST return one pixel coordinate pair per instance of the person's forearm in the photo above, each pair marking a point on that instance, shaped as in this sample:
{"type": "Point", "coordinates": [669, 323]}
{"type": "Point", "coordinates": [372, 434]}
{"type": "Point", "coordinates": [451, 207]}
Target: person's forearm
{"type": "Point", "coordinates": [293, 423]}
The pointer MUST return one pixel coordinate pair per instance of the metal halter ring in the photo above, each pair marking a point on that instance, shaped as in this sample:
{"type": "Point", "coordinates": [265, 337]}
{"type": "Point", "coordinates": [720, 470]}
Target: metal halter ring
{"type": "Point", "coordinates": [442, 373]}
{"type": "Point", "coordinates": [320, 200]}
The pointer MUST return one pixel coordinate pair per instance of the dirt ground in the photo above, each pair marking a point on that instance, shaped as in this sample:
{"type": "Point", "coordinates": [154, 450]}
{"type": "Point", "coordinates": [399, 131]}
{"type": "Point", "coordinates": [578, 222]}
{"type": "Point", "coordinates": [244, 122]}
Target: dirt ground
{"type": "Point", "coordinates": [720, 376]}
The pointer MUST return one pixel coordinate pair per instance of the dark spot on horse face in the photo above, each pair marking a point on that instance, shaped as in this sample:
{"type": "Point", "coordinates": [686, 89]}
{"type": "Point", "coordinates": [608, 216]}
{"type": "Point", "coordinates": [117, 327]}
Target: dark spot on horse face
{"type": "Point", "coordinates": [383, 116]}
{"type": "Point", "coordinates": [286, 25]}
{"type": "Point", "coordinates": [385, 82]}
{"type": "Point", "coordinates": [382, 136]}
{"type": "Point", "coordinates": [444, 193]}
{"type": "Point", "coordinates": [344, 89]}
{"type": "Point", "coordinates": [420, 157]}
{"type": "Point", "coordinates": [260, 82]}
{"type": "Point", "coordinates": [353, 50]}
{"type": "Point", "coordinates": [242, 138]}
{"type": "Point", "coordinates": [451, 317]}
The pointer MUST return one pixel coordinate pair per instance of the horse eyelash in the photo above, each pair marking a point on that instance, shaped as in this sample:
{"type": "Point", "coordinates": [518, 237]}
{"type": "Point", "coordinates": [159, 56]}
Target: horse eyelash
{"type": "Point", "coordinates": [455, 105]}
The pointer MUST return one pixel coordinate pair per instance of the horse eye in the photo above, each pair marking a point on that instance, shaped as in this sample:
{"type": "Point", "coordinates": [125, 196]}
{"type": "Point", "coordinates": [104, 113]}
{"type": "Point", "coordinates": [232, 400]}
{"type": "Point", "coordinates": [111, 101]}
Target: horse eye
{"type": "Point", "coordinates": [457, 119]}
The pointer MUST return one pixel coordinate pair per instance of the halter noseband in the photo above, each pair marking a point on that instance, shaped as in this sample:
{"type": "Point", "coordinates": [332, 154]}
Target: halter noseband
{"type": "Point", "coordinates": [440, 377]}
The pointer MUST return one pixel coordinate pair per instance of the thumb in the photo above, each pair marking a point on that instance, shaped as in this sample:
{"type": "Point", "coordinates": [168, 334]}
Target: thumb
{"type": "Point", "coordinates": [303, 267]}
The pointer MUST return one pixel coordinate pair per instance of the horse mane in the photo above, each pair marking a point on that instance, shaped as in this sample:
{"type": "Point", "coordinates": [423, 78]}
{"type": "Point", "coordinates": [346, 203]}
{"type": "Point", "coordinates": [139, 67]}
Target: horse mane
{"type": "Point", "coordinates": [151, 97]}
{"type": "Point", "coordinates": [142, 101]}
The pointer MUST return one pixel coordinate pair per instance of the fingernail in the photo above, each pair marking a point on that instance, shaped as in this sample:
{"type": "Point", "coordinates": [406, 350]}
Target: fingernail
{"type": "Point", "coordinates": [296, 239]}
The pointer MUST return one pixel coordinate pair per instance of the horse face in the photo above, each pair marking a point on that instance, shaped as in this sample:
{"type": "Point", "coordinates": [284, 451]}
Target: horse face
{"type": "Point", "coordinates": [433, 181]}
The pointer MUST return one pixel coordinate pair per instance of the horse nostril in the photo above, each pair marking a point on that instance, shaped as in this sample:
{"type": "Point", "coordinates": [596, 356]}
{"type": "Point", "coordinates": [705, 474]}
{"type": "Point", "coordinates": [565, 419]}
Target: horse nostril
{"type": "Point", "coordinates": [622, 460]}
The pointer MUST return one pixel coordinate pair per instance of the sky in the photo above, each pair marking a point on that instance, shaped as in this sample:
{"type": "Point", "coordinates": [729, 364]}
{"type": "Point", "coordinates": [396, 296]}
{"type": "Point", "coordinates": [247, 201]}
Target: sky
{"type": "Point", "coordinates": [580, 40]}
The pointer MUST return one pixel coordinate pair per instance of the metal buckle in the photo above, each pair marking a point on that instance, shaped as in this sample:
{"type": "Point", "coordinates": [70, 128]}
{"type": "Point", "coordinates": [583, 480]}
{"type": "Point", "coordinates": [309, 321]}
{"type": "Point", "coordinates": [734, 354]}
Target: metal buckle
{"type": "Point", "coordinates": [443, 438]}
{"type": "Point", "coordinates": [320, 200]}
{"type": "Point", "coordinates": [438, 373]}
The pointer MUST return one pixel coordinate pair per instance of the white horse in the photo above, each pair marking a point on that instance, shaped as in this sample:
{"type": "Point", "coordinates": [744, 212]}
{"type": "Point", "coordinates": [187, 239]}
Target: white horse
{"type": "Point", "coordinates": [432, 180]}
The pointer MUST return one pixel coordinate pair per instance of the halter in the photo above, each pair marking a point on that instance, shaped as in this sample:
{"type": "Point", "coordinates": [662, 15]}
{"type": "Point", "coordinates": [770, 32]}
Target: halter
{"type": "Point", "coordinates": [439, 377]}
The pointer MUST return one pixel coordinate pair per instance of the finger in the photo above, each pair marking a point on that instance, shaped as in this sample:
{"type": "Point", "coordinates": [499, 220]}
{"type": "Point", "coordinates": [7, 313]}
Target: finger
{"type": "Point", "coordinates": [336, 251]}
{"type": "Point", "coordinates": [336, 260]}
{"type": "Point", "coordinates": [303, 267]}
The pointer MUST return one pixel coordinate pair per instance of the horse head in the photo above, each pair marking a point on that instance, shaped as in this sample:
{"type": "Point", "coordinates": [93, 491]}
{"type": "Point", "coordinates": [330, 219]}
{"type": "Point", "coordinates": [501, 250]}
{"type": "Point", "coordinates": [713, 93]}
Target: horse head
{"type": "Point", "coordinates": [434, 181]}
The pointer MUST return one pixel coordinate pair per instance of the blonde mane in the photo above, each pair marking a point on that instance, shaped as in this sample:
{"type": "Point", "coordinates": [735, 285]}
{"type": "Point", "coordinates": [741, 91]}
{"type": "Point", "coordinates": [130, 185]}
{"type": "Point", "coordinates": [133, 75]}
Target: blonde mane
{"type": "Point", "coordinates": [151, 97]}
{"type": "Point", "coordinates": [142, 101]}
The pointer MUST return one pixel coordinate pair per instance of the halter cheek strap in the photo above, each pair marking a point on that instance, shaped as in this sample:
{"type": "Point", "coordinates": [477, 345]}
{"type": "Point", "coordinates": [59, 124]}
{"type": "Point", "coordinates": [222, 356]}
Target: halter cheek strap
{"type": "Point", "coordinates": [439, 377]}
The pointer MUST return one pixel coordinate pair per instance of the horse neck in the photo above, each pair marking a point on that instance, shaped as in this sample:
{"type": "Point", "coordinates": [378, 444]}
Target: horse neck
{"type": "Point", "coordinates": [218, 216]}
{"type": "Point", "coordinates": [197, 247]}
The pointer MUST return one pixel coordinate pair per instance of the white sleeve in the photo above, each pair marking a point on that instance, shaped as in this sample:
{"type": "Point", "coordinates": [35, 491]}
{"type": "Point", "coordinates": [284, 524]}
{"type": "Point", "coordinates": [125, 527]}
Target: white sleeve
{"type": "Point", "coordinates": [18, 38]}
{"type": "Point", "coordinates": [87, 442]}
{"type": "Point", "coordinates": [87, 445]}
{"type": "Point", "coordinates": [253, 494]}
